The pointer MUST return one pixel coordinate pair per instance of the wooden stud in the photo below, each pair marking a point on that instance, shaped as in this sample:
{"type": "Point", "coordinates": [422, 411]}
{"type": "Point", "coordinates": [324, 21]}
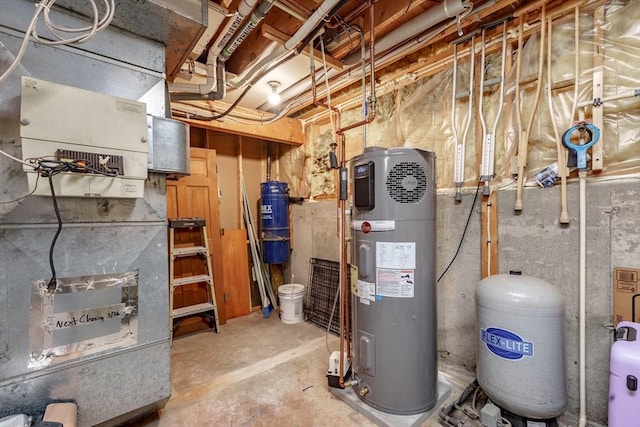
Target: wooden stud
{"type": "Point", "coordinates": [240, 171]}
{"type": "Point", "coordinates": [489, 238]}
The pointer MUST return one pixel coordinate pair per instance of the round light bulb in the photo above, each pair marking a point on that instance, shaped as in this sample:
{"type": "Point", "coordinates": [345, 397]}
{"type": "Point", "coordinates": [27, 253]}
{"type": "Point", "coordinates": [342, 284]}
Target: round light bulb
{"type": "Point", "coordinates": [274, 97]}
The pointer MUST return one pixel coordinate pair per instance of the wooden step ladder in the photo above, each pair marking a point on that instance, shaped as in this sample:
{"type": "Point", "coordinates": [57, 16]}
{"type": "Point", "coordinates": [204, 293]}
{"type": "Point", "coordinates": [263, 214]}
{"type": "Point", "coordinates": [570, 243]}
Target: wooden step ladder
{"type": "Point", "coordinates": [200, 249]}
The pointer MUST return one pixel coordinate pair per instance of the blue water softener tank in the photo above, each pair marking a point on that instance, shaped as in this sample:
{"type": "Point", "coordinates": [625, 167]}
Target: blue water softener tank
{"type": "Point", "coordinates": [393, 279]}
{"type": "Point", "coordinates": [274, 208]}
{"type": "Point", "coordinates": [520, 345]}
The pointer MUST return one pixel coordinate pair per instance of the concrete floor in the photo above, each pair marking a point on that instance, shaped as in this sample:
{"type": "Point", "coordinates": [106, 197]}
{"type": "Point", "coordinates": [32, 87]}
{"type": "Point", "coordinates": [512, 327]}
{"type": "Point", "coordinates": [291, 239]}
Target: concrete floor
{"type": "Point", "coordinates": [256, 372]}
{"type": "Point", "coordinates": [261, 372]}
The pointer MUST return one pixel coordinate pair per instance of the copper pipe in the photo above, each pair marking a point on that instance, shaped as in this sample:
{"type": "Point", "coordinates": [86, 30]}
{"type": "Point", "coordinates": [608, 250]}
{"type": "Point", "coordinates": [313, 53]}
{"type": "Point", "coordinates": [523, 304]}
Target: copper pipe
{"type": "Point", "coordinates": [344, 295]}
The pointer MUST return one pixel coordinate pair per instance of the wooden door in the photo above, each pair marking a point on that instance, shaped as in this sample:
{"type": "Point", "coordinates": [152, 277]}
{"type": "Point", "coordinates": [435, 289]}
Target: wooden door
{"type": "Point", "coordinates": [196, 195]}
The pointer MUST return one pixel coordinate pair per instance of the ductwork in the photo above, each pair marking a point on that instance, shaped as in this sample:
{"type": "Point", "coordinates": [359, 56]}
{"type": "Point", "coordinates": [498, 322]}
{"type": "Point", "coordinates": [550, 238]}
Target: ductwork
{"type": "Point", "coordinates": [431, 17]}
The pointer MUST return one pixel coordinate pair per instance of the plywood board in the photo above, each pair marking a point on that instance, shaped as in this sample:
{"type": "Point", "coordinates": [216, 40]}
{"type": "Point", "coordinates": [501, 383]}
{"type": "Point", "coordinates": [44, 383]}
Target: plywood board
{"type": "Point", "coordinates": [236, 272]}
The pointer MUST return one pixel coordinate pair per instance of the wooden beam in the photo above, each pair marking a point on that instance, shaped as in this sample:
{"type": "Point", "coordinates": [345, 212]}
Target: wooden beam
{"type": "Point", "coordinates": [240, 210]}
{"type": "Point", "coordinates": [489, 226]}
{"type": "Point", "coordinates": [285, 130]}
{"type": "Point", "coordinates": [275, 35]}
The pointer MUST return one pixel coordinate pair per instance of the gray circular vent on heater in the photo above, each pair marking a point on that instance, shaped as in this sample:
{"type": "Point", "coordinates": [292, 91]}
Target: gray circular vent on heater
{"type": "Point", "coordinates": [407, 182]}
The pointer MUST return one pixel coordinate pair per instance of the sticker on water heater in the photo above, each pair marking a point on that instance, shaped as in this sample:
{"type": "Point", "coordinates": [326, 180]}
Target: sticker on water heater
{"type": "Point", "coordinates": [506, 344]}
{"type": "Point", "coordinates": [396, 255]}
{"type": "Point", "coordinates": [395, 283]}
{"type": "Point", "coordinates": [366, 290]}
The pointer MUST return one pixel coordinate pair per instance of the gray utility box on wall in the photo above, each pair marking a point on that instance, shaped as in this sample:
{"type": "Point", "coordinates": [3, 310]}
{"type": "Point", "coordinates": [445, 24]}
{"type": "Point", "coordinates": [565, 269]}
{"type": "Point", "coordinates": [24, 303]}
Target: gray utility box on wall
{"type": "Point", "coordinates": [394, 306]}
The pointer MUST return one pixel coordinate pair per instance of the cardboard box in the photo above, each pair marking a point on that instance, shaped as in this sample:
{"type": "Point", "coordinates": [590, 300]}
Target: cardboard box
{"type": "Point", "coordinates": [625, 286]}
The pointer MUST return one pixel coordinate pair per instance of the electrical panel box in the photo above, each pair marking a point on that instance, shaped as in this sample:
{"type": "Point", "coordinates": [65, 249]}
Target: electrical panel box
{"type": "Point", "coordinates": [61, 122]}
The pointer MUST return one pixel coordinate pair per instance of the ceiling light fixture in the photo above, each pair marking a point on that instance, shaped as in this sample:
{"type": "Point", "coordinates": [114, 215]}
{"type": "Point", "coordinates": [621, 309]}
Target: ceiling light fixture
{"type": "Point", "coordinates": [274, 96]}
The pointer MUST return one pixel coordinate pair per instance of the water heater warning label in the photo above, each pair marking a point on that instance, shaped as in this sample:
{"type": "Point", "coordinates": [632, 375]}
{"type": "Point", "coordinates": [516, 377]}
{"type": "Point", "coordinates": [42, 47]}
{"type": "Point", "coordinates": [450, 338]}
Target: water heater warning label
{"type": "Point", "coordinates": [396, 255]}
{"type": "Point", "coordinates": [366, 290]}
{"type": "Point", "coordinates": [395, 283]}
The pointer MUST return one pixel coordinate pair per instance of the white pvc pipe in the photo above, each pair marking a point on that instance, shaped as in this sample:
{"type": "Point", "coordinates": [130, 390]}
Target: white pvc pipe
{"type": "Point", "coordinates": [310, 23]}
{"type": "Point", "coordinates": [431, 17]}
{"type": "Point", "coordinates": [203, 89]}
{"type": "Point", "coordinates": [250, 72]}
{"type": "Point", "coordinates": [244, 8]}
{"type": "Point", "coordinates": [583, 286]}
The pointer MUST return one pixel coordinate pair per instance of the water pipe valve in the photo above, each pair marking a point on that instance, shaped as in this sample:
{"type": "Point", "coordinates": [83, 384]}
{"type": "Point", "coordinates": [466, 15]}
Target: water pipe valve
{"type": "Point", "coordinates": [581, 149]}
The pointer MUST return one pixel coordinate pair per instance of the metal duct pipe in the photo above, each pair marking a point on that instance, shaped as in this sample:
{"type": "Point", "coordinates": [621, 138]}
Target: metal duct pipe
{"type": "Point", "coordinates": [258, 15]}
{"type": "Point", "coordinates": [317, 16]}
{"type": "Point", "coordinates": [431, 17]}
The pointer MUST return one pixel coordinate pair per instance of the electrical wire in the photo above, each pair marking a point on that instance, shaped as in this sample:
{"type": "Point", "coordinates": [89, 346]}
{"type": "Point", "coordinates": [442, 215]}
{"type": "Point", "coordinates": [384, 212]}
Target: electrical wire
{"type": "Point", "coordinates": [35, 187]}
{"type": "Point", "coordinates": [48, 168]}
{"type": "Point", "coordinates": [43, 8]}
{"type": "Point", "coordinates": [464, 232]}
{"type": "Point", "coordinates": [53, 282]}
{"type": "Point", "coordinates": [333, 311]}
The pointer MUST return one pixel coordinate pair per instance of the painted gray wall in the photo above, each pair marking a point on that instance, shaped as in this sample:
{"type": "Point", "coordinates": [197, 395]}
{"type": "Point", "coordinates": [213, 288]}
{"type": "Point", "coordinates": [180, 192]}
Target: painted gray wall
{"type": "Point", "coordinates": [99, 235]}
{"type": "Point", "coordinates": [533, 242]}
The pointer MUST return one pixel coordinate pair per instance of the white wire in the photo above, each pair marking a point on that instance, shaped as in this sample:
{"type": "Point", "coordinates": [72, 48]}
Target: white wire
{"type": "Point", "coordinates": [87, 32]}
{"type": "Point", "coordinates": [23, 46]}
{"type": "Point", "coordinates": [16, 159]}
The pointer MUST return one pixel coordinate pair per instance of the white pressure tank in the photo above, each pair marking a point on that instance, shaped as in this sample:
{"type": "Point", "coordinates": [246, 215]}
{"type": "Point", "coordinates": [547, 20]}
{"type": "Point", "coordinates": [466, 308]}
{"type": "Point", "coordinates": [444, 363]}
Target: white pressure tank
{"type": "Point", "coordinates": [520, 345]}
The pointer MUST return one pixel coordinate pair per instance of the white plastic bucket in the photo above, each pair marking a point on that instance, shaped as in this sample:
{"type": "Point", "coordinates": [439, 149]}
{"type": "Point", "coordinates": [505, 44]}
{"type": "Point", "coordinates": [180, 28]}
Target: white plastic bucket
{"type": "Point", "coordinates": [291, 303]}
